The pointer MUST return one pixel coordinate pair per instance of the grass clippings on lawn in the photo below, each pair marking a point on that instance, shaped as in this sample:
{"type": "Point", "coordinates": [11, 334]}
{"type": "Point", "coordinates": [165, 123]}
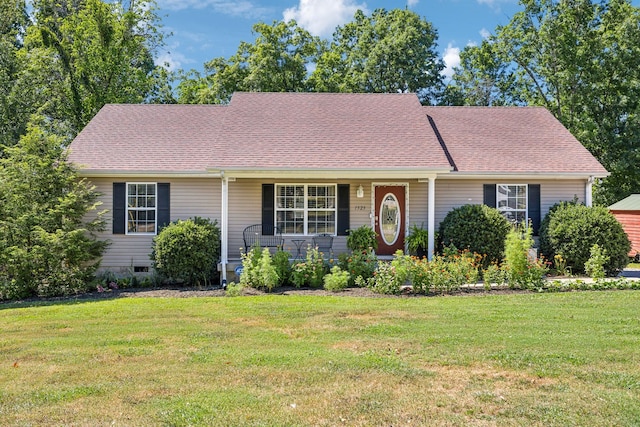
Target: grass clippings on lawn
{"type": "Point", "coordinates": [300, 360]}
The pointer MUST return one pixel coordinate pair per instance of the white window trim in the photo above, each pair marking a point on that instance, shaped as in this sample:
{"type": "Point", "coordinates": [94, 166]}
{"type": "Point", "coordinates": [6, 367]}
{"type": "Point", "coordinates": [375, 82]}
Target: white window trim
{"type": "Point", "coordinates": [127, 209]}
{"type": "Point", "coordinates": [306, 208]}
{"type": "Point", "coordinates": [526, 198]}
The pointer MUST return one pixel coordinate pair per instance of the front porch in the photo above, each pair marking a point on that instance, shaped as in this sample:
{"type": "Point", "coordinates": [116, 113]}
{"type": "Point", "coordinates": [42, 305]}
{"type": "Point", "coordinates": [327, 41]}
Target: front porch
{"type": "Point", "coordinates": [353, 203]}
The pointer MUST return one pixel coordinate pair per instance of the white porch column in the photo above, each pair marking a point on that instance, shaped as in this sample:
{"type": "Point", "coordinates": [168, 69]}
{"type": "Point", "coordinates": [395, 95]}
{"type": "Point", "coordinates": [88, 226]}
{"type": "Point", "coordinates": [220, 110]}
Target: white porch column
{"type": "Point", "coordinates": [431, 220]}
{"type": "Point", "coordinates": [224, 230]}
{"type": "Point", "coordinates": [588, 196]}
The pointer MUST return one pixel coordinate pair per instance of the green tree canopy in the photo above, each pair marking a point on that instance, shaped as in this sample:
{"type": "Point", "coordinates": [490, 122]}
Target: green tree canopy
{"type": "Point", "coordinates": [47, 217]}
{"type": "Point", "coordinates": [13, 23]}
{"type": "Point", "coordinates": [483, 78]}
{"type": "Point", "coordinates": [80, 54]}
{"type": "Point", "coordinates": [581, 60]}
{"type": "Point", "coordinates": [388, 51]}
{"type": "Point", "coordinates": [276, 61]}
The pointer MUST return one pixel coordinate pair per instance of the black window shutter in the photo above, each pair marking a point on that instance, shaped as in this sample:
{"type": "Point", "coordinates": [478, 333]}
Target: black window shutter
{"type": "Point", "coordinates": [268, 214]}
{"type": "Point", "coordinates": [533, 206]}
{"type": "Point", "coordinates": [490, 195]}
{"type": "Point", "coordinates": [164, 203]}
{"type": "Point", "coordinates": [343, 209]}
{"type": "Point", "coordinates": [119, 207]}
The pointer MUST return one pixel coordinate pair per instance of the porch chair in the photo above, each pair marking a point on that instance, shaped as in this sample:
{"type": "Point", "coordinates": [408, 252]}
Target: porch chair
{"type": "Point", "coordinates": [263, 236]}
{"type": "Point", "coordinates": [324, 243]}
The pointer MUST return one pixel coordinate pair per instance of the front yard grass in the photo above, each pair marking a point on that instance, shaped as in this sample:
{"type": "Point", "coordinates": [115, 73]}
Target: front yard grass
{"type": "Point", "coordinates": [519, 359]}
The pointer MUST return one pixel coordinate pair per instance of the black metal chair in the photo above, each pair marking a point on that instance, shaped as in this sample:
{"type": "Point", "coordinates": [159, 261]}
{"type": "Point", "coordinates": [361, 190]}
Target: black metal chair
{"type": "Point", "coordinates": [263, 236]}
{"type": "Point", "coordinates": [324, 243]}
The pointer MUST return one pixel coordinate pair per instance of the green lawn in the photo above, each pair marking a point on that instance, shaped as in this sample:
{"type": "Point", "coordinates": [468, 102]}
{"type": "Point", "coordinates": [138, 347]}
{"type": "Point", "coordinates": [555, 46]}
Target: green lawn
{"type": "Point", "coordinates": [521, 359]}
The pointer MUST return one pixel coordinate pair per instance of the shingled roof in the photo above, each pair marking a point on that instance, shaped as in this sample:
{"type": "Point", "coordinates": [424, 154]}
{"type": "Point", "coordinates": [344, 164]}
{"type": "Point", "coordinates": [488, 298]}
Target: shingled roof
{"type": "Point", "coordinates": [322, 132]}
{"type": "Point", "coordinates": [148, 138]}
{"type": "Point", "coordinates": [328, 131]}
{"type": "Point", "coordinates": [510, 140]}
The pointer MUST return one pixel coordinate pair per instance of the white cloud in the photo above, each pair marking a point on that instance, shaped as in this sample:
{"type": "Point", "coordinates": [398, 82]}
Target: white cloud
{"type": "Point", "coordinates": [321, 17]}
{"type": "Point", "coordinates": [451, 59]}
{"type": "Point", "coordinates": [412, 3]}
{"type": "Point", "coordinates": [485, 33]}
{"type": "Point", "coordinates": [243, 8]}
{"type": "Point", "coordinates": [171, 59]}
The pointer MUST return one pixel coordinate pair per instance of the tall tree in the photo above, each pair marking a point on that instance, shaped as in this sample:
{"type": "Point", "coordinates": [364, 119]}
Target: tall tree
{"type": "Point", "coordinates": [47, 217]}
{"type": "Point", "coordinates": [276, 61]}
{"type": "Point", "coordinates": [13, 24]}
{"type": "Point", "coordinates": [81, 54]}
{"type": "Point", "coordinates": [581, 60]}
{"type": "Point", "coordinates": [388, 51]}
{"type": "Point", "coordinates": [483, 78]}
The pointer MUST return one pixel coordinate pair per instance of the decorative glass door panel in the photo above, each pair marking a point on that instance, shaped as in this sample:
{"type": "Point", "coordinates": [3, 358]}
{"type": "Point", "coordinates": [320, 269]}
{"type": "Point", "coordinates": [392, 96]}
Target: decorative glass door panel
{"type": "Point", "coordinates": [390, 218]}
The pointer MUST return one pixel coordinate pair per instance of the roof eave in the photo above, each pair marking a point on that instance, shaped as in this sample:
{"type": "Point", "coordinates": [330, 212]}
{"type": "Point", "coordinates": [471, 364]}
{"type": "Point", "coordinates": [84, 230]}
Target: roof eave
{"type": "Point", "coordinates": [333, 173]}
{"type": "Point", "coordinates": [528, 175]}
{"type": "Point", "coordinates": [125, 173]}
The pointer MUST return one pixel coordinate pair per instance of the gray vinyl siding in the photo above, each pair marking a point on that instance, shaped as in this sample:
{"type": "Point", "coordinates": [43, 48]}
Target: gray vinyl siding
{"type": "Point", "coordinates": [202, 197]}
{"type": "Point", "coordinates": [453, 193]}
{"type": "Point", "coordinates": [189, 198]}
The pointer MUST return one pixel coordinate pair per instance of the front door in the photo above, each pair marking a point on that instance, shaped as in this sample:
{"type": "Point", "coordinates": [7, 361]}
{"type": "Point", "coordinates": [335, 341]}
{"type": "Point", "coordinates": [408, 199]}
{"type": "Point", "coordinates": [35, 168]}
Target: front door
{"type": "Point", "coordinates": [389, 218]}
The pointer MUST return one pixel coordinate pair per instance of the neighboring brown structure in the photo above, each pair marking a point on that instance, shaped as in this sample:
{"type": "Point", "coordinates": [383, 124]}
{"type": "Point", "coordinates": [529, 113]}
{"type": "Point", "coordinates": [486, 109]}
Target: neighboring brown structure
{"type": "Point", "coordinates": [627, 212]}
{"type": "Point", "coordinates": [312, 163]}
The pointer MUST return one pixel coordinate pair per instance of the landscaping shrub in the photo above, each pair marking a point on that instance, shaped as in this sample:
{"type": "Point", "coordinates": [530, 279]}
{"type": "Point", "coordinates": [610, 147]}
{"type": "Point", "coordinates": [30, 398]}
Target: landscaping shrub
{"type": "Point", "coordinates": [257, 270]}
{"type": "Point", "coordinates": [187, 251]}
{"type": "Point", "coordinates": [48, 217]}
{"type": "Point", "coordinates": [545, 245]}
{"type": "Point", "coordinates": [572, 230]}
{"type": "Point", "coordinates": [337, 280]}
{"type": "Point", "coordinates": [520, 270]}
{"type": "Point", "coordinates": [362, 239]}
{"type": "Point", "coordinates": [358, 264]}
{"type": "Point", "coordinates": [234, 289]}
{"type": "Point", "coordinates": [441, 274]}
{"type": "Point", "coordinates": [444, 273]}
{"type": "Point", "coordinates": [403, 265]}
{"type": "Point", "coordinates": [595, 264]}
{"type": "Point", "coordinates": [281, 263]}
{"type": "Point", "coordinates": [384, 281]}
{"type": "Point", "coordinates": [476, 228]}
{"type": "Point", "coordinates": [492, 274]}
{"type": "Point", "coordinates": [310, 271]}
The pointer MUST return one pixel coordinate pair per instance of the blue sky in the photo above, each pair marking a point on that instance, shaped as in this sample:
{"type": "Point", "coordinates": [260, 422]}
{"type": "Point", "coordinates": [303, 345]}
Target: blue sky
{"type": "Point", "coordinates": [205, 29]}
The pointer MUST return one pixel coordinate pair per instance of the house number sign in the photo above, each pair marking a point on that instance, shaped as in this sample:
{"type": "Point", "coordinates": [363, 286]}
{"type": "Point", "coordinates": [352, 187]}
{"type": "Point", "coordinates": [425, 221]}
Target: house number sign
{"type": "Point", "coordinates": [361, 208]}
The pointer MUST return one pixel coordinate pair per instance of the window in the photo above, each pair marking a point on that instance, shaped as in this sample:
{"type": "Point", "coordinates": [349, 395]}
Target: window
{"type": "Point", "coordinates": [141, 208]}
{"type": "Point", "coordinates": [512, 202]}
{"type": "Point", "coordinates": [306, 209]}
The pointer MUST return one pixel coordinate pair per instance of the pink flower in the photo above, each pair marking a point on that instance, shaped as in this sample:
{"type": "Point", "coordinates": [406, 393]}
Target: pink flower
{"type": "Point", "coordinates": [100, 288]}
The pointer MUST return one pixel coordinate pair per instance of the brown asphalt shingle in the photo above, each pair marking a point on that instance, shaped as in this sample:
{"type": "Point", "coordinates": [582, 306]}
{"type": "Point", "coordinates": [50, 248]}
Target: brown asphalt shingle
{"type": "Point", "coordinates": [130, 137]}
{"type": "Point", "coordinates": [510, 140]}
{"type": "Point", "coordinates": [326, 131]}
{"type": "Point", "coordinates": [322, 131]}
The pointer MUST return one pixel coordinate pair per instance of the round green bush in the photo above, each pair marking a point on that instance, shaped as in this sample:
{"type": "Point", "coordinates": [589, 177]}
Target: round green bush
{"type": "Point", "coordinates": [361, 239]}
{"type": "Point", "coordinates": [571, 230]}
{"type": "Point", "coordinates": [478, 228]}
{"type": "Point", "coordinates": [187, 251]}
{"type": "Point", "coordinates": [545, 245]}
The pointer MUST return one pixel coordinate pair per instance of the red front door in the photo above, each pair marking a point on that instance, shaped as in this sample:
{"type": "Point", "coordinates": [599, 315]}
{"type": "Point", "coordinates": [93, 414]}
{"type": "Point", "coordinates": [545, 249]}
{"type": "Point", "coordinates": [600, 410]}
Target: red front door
{"type": "Point", "coordinates": [390, 218]}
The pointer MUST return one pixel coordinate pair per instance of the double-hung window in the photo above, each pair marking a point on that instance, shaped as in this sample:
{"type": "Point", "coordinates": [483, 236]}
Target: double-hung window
{"type": "Point", "coordinates": [512, 202]}
{"type": "Point", "coordinates": [141, 208]}
{"type": "Point", "coordinates": [306, 208]}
